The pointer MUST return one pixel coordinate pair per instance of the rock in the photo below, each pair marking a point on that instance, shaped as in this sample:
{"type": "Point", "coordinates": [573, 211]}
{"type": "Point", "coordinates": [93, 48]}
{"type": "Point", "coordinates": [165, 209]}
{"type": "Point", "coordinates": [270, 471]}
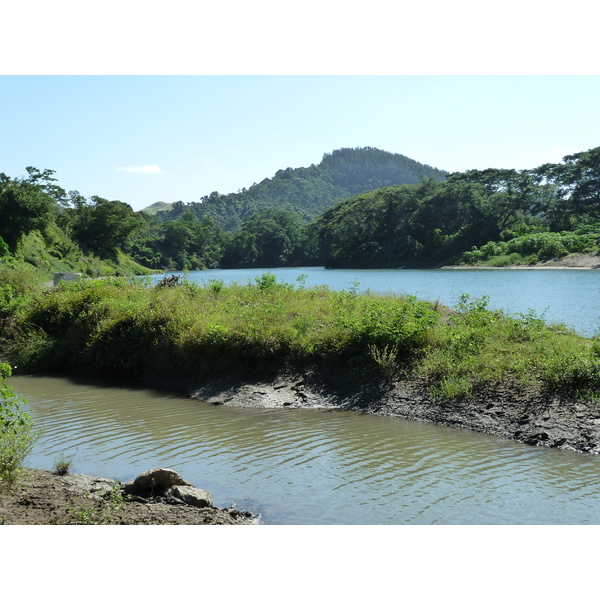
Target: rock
{"type": "Point", "coordinates": [189, 494]}
{"type": "Point", "coordinates": [154, 482]}
{"type": "Point", "coordinates": [87, 485]}
{"type": "Point", "coordinates": [536, 438]}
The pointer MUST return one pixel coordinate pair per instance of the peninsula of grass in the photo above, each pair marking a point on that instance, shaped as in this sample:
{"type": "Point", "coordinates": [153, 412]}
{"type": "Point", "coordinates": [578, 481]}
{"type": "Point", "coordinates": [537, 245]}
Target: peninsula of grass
{"type": "Point", "coordinates": [199, 331]}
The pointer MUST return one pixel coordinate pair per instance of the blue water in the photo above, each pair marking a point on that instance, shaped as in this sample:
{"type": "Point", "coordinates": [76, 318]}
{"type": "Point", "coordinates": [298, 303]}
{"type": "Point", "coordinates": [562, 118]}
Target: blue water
{"type": "Point", "coordinates": [567, 296]}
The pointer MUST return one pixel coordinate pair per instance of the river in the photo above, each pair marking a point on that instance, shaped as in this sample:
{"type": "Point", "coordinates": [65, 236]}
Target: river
{"type": "Point", "coordinates": [566, 296]}
{"type": "Point", "coordinates": [311, 467]}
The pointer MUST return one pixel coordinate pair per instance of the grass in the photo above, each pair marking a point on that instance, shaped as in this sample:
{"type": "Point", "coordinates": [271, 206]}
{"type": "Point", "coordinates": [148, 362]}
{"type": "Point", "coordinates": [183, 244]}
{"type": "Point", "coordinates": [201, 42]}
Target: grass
{"type": "Point", "coordinates": [129, 328]}
{"type": "Point", "coordinates": [62, 464]}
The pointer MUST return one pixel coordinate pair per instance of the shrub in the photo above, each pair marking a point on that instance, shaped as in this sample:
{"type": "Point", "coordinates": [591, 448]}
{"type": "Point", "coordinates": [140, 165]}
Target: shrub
{"type": "Point", "coordinates": [17, 434]}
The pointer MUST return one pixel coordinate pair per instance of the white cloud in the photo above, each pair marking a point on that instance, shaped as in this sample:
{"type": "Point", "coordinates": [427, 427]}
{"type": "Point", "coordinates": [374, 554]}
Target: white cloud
{"type": "Point", "coordinates": [145, 169]}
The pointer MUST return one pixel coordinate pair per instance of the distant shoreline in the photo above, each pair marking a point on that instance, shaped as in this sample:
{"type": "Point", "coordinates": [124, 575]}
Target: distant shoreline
{"type": "Point", "coordinates": [584, 262]}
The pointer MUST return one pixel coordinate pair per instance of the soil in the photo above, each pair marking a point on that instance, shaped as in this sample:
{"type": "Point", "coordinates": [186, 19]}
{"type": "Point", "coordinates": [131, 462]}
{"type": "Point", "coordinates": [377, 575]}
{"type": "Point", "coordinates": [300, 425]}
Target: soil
{"type": "Point", "coordinates": [41, 497]}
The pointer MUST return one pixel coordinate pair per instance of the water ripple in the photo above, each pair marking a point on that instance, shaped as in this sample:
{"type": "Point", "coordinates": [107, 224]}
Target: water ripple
{"type": "Point", "coordinates": [313, 466]}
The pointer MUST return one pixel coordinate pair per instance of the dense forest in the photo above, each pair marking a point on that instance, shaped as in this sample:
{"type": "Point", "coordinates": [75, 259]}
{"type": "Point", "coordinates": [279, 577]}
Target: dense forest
{"type": "Point", "coordinates": [497, 216]}
{"type": "Point", "coordinates": [307, 191]}
{"type": "Point", "coordinates": [357, 208]}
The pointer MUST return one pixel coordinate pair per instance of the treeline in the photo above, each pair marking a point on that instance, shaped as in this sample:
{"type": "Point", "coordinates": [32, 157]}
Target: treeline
{"type": "Point", "coordinates": [506, 215]}
{"type": "Point", "coordinates": [529, 215]}
{"type": "Point", "coordinates": [495, 216]}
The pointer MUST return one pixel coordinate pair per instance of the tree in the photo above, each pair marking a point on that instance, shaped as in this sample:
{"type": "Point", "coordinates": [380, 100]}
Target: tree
{"type": "Point", "coordinates": [105, 227]}
{"type": "Point", "coordinates": [578, 179]}
{"type": "Point", "coordinates": [267, 239]}
{"type": "Point", "coordinates": [24, 207]}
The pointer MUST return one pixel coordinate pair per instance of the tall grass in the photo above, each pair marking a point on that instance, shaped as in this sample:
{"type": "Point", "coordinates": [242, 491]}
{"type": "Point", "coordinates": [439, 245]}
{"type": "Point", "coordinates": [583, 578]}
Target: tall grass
{"type": "Point", "coordinates": [193, 330]}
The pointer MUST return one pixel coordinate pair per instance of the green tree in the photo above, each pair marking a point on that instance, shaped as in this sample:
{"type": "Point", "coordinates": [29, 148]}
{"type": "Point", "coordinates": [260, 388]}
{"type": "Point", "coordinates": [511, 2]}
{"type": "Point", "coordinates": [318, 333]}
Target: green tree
{"type": "Point", "coordinates": [24, 207]}
{"type": "Point", "coordinates": [104, 227]}
{"type": "Point", "coordinates": [578, 179]}
{"type": "Point", "coordinates": [267, 239]}
{"type": "Point", "coordinates": [17, 435]}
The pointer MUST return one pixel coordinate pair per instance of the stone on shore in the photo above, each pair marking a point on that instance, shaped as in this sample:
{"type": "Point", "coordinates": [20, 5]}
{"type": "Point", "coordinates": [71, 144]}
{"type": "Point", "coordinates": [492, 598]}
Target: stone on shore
{"type": "Point", "coordinates": [154, 482]}
{"type": "Point", "coordinates": [189, 495]}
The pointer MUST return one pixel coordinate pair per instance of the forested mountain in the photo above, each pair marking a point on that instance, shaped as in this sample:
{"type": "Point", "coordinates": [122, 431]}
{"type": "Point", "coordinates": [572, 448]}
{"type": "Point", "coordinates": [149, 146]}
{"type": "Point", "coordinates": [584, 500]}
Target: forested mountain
{"type": "Point", "coordinates": [501, 214]}
{"type": "Point", "coordinates": [308, 191]}
{"type": "Point", "coordinates": [495, 216]}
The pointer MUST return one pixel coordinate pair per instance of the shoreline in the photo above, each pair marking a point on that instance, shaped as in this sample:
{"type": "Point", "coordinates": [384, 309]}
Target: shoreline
{"type": "Point", "coordinates": [571, 261]}
{"type": "Point", "coordinates": [42, 497]}
{"type": "Point", "coordinates": [524, 414]}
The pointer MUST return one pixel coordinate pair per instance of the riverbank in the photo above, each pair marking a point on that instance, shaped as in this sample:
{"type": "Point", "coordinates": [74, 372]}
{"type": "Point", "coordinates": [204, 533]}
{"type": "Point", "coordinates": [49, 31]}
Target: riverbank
{"type": "Point", "coordinates": [511, 410]}
{"type": "Point", "coordinates": [572, 261]}
{"type": "Point", "coordinates": [514, 412]}
{"type": "Point", "coordinates": [471, 367]}
{"type": "Point", "coordinates": [42, 497]}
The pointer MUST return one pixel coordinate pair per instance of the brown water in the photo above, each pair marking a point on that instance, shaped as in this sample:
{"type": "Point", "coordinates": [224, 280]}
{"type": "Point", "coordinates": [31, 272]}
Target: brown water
{"type": "Point", "coordinates": [311, 466]}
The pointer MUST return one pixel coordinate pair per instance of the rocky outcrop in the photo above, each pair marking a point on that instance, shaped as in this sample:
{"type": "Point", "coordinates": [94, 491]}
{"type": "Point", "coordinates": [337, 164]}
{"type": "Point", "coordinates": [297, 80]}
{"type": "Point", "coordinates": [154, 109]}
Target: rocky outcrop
{"type": "Point", "coordinates": [166, 485]}
{"type": "Point", "coordinates": [154, 482]}
{"type": "Point", "coordinates": [188, 494]}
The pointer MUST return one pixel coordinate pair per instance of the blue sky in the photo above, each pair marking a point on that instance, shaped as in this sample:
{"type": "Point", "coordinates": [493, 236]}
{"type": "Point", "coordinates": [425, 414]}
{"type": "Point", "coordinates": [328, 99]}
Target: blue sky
{"type": "Point", "coordinates": [142, 139]}
{"type": "Point", "coordinates": [137, 101]}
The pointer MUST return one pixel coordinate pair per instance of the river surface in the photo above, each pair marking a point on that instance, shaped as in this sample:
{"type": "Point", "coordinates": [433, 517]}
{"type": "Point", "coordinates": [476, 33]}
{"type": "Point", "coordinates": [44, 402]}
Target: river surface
{"type": "Point", "coordinates": [569, 296]}
{"type": "Point", "coordinates": [311, 467]}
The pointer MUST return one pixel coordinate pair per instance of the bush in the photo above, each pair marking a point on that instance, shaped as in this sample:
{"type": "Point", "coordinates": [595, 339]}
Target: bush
{"type": "Point", "coordinates": [17, 434]}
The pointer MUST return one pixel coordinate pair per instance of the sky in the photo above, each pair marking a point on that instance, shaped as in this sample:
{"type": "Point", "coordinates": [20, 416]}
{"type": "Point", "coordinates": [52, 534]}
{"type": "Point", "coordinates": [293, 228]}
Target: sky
{"type": "Point", "coordinates": [147, 138]}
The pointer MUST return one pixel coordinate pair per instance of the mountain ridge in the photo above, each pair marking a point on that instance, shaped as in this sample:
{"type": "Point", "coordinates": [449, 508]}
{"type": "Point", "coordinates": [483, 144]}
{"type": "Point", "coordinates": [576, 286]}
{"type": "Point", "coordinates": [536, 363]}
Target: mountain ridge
{"type": "Point", "coordinates": [307, 191]}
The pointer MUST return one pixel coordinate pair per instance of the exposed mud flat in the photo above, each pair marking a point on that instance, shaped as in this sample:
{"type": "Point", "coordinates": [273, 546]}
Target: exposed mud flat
{"type": "Point", "coordinates": [527, 415]}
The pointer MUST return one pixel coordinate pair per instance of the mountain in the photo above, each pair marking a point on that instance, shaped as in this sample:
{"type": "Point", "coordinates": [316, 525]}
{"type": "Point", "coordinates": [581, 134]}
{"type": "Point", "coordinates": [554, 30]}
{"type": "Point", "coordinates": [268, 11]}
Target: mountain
{"type": "Point", "coordinates": [157, 207]}
{"type": "Point", "coordinates": [309, 191]}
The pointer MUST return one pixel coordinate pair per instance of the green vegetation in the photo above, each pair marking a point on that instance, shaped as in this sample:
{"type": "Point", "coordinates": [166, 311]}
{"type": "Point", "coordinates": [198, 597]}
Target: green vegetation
{"type": "Point", "coordinates": [495, 217]}
{"type": "Point", "coordinates": [266, 327]}
{"type": "Point", "coordinates": [45, 229]}
{"type": "Point", "coordinates": [535, 247]}
{"type": "Point", "coordinates": [308, 191]}
{"type": "Point", "coordinates": [359, 208]}
{"type": "Point", "coordinates": [17, 434]}
{"type": "Point", "coordinates": [62, 464]}
{"type": "Point", "coordinates": [266, 225]}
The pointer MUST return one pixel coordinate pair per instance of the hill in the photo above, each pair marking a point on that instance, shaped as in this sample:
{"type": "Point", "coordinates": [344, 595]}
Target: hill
{"type": "Point", "coordinates": [157, 207]}
{"type": "Point", "coordinates": [308, 191]}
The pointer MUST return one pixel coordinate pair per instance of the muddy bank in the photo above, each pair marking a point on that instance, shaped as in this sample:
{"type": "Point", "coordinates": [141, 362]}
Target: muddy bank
{"type": "Point", "coordinates": [42, 497]}
{"type": "Point", "coordinates": [511, 411]}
